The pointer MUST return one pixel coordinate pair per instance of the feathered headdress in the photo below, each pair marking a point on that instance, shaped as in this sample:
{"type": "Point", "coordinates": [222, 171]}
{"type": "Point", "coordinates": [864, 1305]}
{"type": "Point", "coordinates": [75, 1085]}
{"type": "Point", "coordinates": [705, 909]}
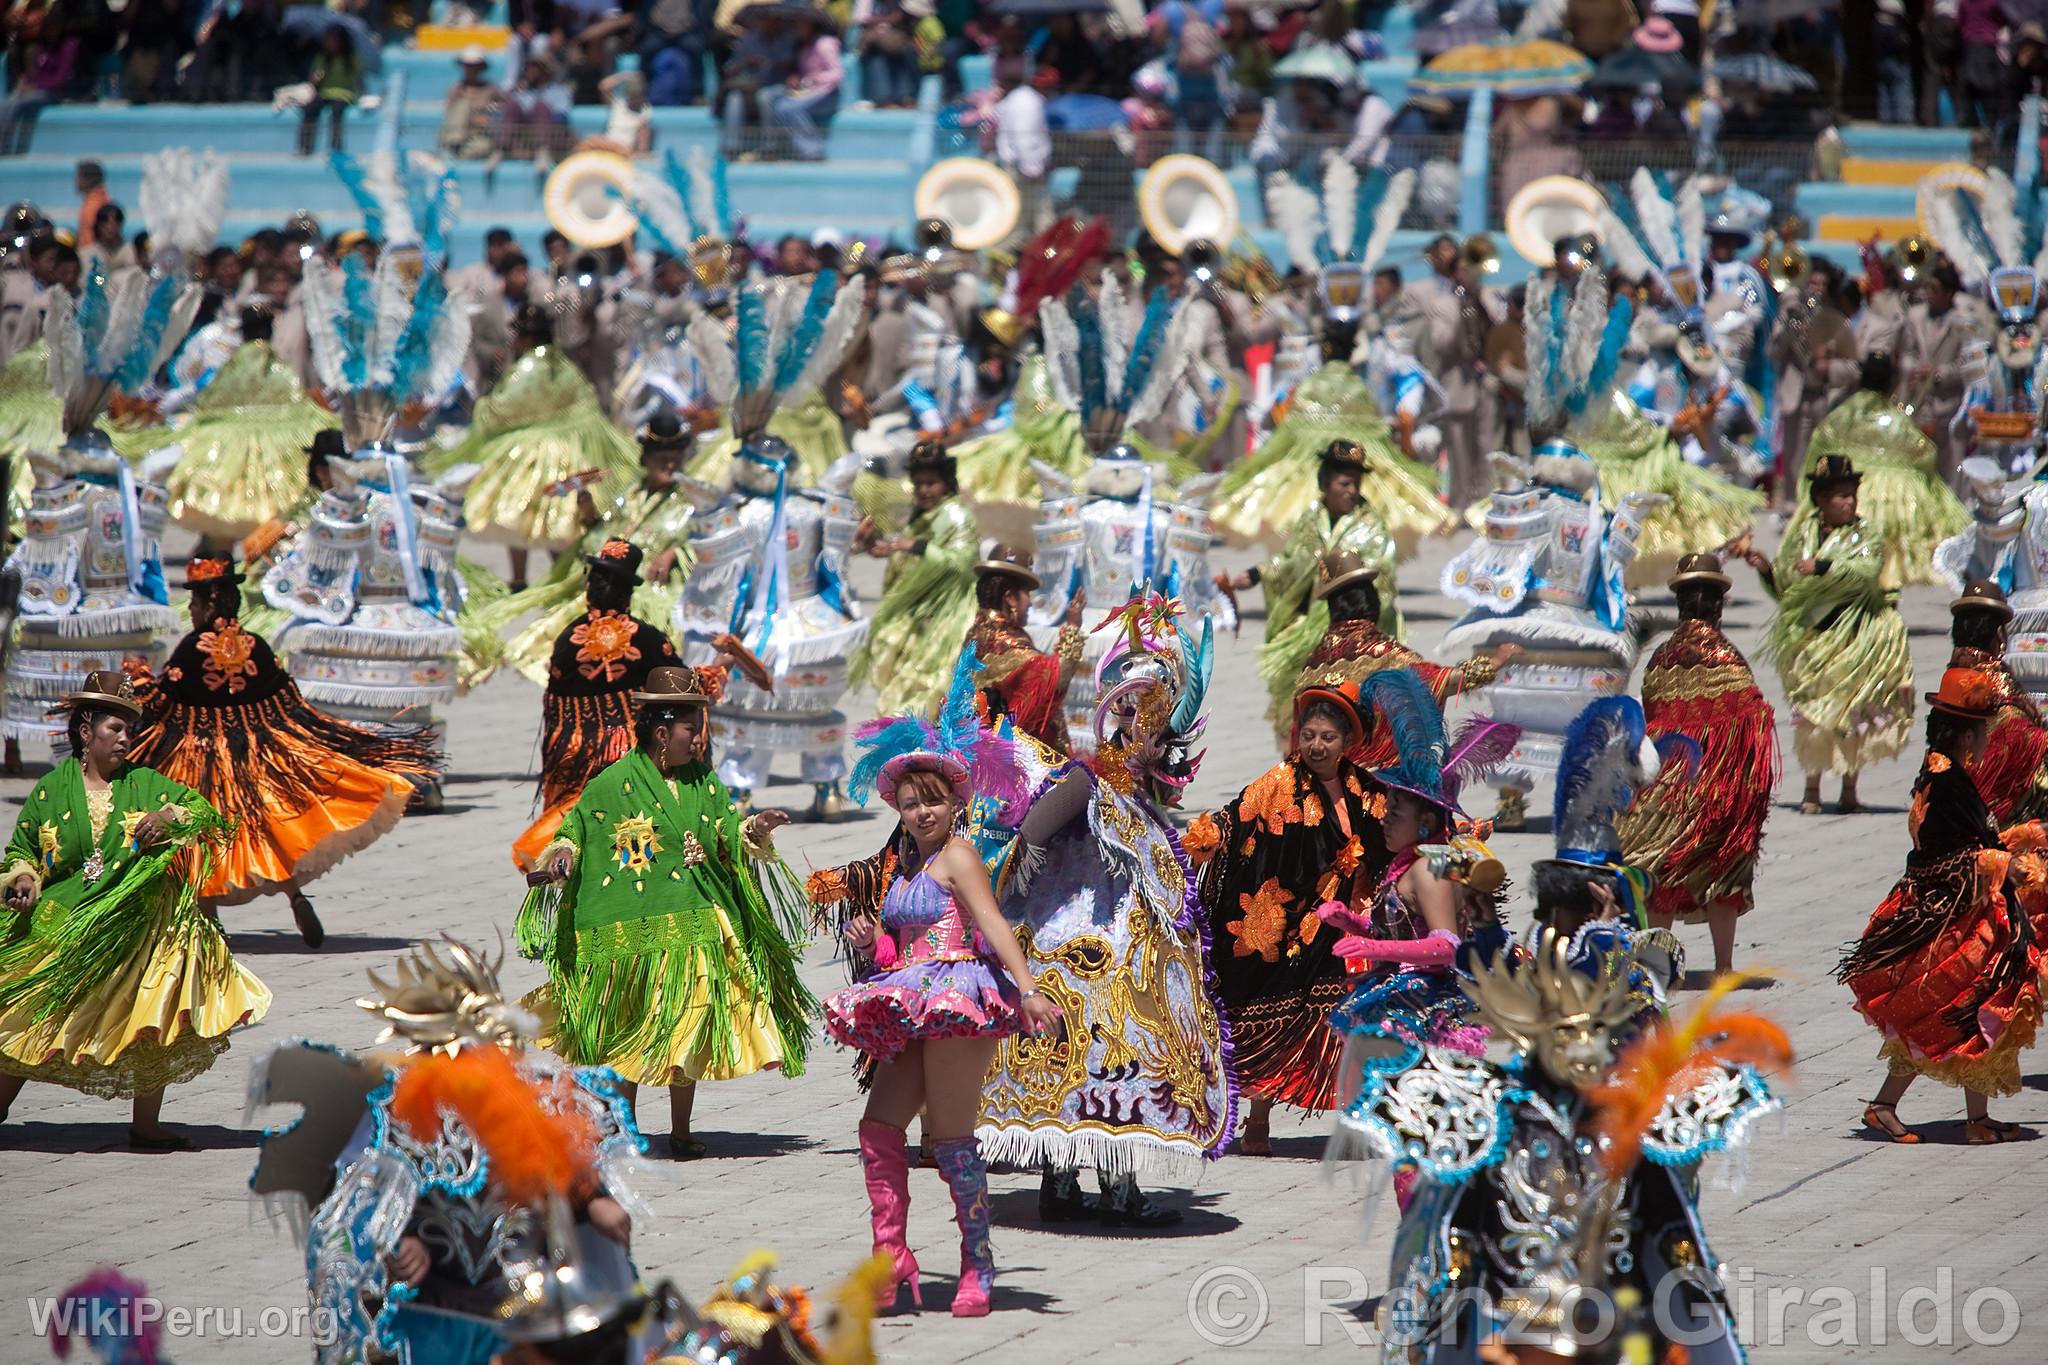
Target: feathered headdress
{"type": "Point", "coordinates": [786, 340]}
{"type": "Point", "coordinates": [1980, 232]}
{"type": "Point", "coordinates": [958, 745]}
{"type": "Point", "coordinates": [183, 200]}
{"type": "Point", "coordinates": [114, 338]}
{"type": "Point", "coordinates": [1351, 221]}
{"type": "Point", "coordinates": [406, 199]}
{"type": "Point", "coordinates": [1112, 372]}
{"type": "Point", "coordinates": [1416, 723]}
{"type": "Point", "coordinates": [110, 1314]}
{"type": "Point", "coordinates": [381, 338]}
{"type": "Point", "coordinates": [1606, 759]}
{"type": "Point", "coordinates": [1658, 232]}
{"type": "Point", "coordinates": [1574, 346]}
{"type": "Point", "coordinates": [1155, 677]}
{"type": "Point", "coordinates": [682, 205]}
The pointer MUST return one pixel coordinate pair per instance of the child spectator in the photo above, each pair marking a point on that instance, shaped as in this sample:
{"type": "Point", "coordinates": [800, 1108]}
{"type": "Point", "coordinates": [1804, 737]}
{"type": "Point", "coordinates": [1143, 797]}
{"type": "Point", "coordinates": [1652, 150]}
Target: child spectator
{"type": "Point", "coordinates": [337, 79]}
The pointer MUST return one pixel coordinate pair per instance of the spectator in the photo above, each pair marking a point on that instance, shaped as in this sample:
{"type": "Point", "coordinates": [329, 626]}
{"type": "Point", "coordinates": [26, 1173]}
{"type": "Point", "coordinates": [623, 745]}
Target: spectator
{"type": "Point", "coordinates": [1023, 147]}
{"type": "Point", "coordinates": [106, 248]}
{"type": "Point", "coordinates": [1010, 63]}
{"type": "Point", "coordinates": [1894, 47]}
{"type": "Point", "coordinates": [1148, 116]}
{"type": "Point", "coordinates": [928, 37]}
{"type": "Point", "coordinates": [1683, 15]}
{"type": "Point", "coordinates": [2030, 60]}
{"type": "Point", "coordinates": [671, 40]}
{"type": "Point", "coordinates": [533, 117]}
{"type": "Point", "coordinates": [48, 61]}
{"type": "Point", "coordinates": [1986, 99]}
{"type": "Point", "coordinates": [337, 78]}
{"type": "Point", "coordinates": [630, 123]}
{"type": "Point", "coordinates": [761, 61]}
{"type": "Point", "coordinates": [90, 179]}
{"type": "Point", "coordinates": [793, 256]}
{"type": "Point", "coordinates": [1068, 51]}
{"type": "Point", "coordinates": [1250, 58]}
{"type": "Point", "coordinates": [888, 55]}
{"type": "Point", "coordinates": [1940, 51]}
{"type": "Point", "coordinates": [221, 277]}
{"type": "Point", "coordinates": [1198, 75]}
{"type": "Point", "coordinates": [812, 96]}
{"type": "Point", "coordinates": [466, 116]}
{"type": "Point", "coordinates": [1295, 128]}
{"type": "Point", "coordinates": [153, 39]}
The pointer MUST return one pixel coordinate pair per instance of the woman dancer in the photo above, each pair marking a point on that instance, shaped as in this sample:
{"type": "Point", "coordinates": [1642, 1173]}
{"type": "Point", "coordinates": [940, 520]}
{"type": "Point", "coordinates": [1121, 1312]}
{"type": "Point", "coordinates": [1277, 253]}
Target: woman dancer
{"type": "Point", "coordinates": [668, 944]}
{"type": "Point", "coordinates": [1949, 967]}
{"type": "Point", "coordinates": [927, 604]}
{"type": "Point", "coordinates": [932, 1005]}
{"type": "Point", "coordinates": [1306, 832]}
{"type": "Point", "coordinates": [113, 980]}
{"type": "Point", "coordinates": [2013, 775]}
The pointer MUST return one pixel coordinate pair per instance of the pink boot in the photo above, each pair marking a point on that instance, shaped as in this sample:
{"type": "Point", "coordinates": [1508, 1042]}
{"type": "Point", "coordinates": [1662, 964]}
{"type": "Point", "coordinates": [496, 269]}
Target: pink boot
{"type": "Point", "coordinates": [887, 1167]}
{"type": "Point", "coordinates": [959, 1161]}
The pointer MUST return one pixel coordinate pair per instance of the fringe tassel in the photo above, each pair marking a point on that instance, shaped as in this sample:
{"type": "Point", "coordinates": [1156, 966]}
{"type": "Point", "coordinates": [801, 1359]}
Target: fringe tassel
{"type": "Point", "coordinates": [1175, 1161]}
{"type": "Point", "coordinates": [431, 642]}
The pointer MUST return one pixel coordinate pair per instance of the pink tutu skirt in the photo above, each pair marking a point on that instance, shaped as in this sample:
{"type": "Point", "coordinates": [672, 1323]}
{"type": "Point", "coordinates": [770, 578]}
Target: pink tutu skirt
{"type": "Point", "coordinates": [887, 1012]}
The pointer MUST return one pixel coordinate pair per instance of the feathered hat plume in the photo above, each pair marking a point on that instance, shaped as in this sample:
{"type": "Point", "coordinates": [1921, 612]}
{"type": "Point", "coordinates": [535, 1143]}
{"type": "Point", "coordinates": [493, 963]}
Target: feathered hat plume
{"type": "Point", "coordinates": [1606, 759]}
{"type": "Point", "coordinates": [958, 744]}
{"type": "Point", "coordinates": [1109, 370]}
{"type": "Point", "coordinates": [787, 339]}
{"type": "Point", "coordinates": [1416, 723]}
{"type": "Point", "coordinates": [114, 339]}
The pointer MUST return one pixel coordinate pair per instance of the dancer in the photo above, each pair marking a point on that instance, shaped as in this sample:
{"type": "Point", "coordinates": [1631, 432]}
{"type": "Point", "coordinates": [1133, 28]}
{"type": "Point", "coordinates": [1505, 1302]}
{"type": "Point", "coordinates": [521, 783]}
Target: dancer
{"type": "Point", "coordinates": [304, 790]}
{"type": "Point", "coordinates": [1948, 969]}
{"type": "Point", "coordinates": [1114, 934]}
{"type": "Point", "coordinates": [1019, 682]}
{"type": "Point", "coordinates": [944, 978]}
{"type": "Point", "coordinates": [114, 981]}
{"type": "Point", "coordinates": [1698, 837]}
{"type": "Point", "coordinates": [538, 436]}
{"type": "Point", "coordinates": [422, 1176]}
{"type": "Point", "coordinates": [1838, 641]}
{"type": "Point", "coordinates": [927, 603]}
{"type": "Point", "coordinates": [1306, 832]}
{"type": "Point", "coordinates": [244, 451]}
{"type": "Point", "coordinates": [1906, 504]}
{"type": "Point", "coordinates": [664, 918]}
{"type": "Point", "coordinates": [2013, 774]}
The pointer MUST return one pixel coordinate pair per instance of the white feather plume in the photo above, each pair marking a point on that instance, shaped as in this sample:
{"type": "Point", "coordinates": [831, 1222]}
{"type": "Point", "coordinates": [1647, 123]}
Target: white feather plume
{"type": "Point", "coordinates": [1538, 400]}
{"type": "Point", "coordinates": [1062, 352]}
{"type": "Point", "coordinates": [382, 181]}
{"type": "Point", "coordinates": [1629, 257]}
{"type": "Point", "coordinates": [184, 198]}
{"type": "Point", "coordinates": [321, 288]}
{"type": "Point", "coordinates": [833, 338]}
{"type": "Point", "coordinates": [1657, 215]}
{"type": "Point", "coordinates": [1691, 221]}
{"type": "Point", "coordinates": [716, 362]}
{"type": "Point", "coordinates": [1585, 323]}
{"type": "Point", "coordinates": [703, 194]}
{"type": "Point", "coordinates": [1386, 218]}
{"type": "Point", "coordinates": [655, 200]}
{"type": "Point", "coordinates": [1172, 362]}
{"type": "Point", "coordinates": [1297, 211]}
{"type": "Point", "coordinates": [1946, 224]}
{"type": "Point", "coordinates": [2001, 221]}
{"type": "Point", "coordinates": [1340, 206]}
{"type": "Point", "coordinates": [393, 297]}
{"type": "Point", "coordinates": [66, 343]}
{"type": "Point", "coordinates": [1111, 310]}
{"type": "Point", "coordinates": [184, 312]}
{"type": "Point", "coordinates": [127, 300]}
{"type": "Point", "coordinates": [1544, 19]}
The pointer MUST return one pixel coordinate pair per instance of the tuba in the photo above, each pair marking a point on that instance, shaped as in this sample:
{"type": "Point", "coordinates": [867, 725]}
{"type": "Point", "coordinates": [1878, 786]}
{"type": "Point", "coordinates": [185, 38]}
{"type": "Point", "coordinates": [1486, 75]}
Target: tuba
{"type": "Point", "coordinates": [1184, 199]}
{"type": "Point", "coordinates": [589, 199]}
{"type": "Point", "coordinates": [1548, 208]}
{"type": "Point", "coordinates": [976, 198]}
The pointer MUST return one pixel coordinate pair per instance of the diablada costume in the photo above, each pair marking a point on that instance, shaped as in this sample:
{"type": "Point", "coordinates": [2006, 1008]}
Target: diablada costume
{"type": "Point", "coordinates": [304, 790]}
{"type": "Point", "coordinates": [770, 569]}
{"type": "Point", "coordinates": [1906, 504]}
{"type": "Point", "coordinates": [116, 983]}
{"type": "Point", "coordinates": [1839, 643]}
{"type": "Point", "coordinates": [1265, 498]}
{"type": "Point", "coordinates": [1698, 835]}
{"type": "Point", "coordinates": [92, 584]}
{"type": "Point", "coordinates": [927, 605]}
{"type": "Point", "coordinates": [395, 1145]}
{"type": "Point", "coordinates": [1111, 921]}
{"type": "Point", "coordinates": [668, 948]}
{"type": "Point", "coordinates": [1111, 540]}
{"type": "Point", "coordinates": [1568, 1173]}
{"type": "Point", "coordinates": [1946, 970]}
{"type": "Point", "coordinates": [244, 451]}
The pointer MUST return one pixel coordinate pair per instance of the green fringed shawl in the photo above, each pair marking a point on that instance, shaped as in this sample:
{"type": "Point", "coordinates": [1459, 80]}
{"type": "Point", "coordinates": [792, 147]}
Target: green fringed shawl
{"type": "Point", "coordinates": [95, 928]}
{"type": "Point", "coordinates": [915, 633]}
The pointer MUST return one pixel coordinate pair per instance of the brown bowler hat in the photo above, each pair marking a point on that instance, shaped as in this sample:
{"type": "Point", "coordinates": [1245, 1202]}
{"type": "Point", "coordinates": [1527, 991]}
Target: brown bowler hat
{"type": "Point", "coordinates": [1700, 568]}
{"type": "Point", "coordinates": [1012, 561]}
{"type": "Point", "coordinates": [1981, 594]}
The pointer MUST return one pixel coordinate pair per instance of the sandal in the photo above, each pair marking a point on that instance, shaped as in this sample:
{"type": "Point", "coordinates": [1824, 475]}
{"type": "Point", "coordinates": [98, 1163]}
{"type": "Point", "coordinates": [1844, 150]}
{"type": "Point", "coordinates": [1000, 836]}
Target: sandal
{"type": "Point", "coordinates": [683, 1147]}
{"type": "Point", "coordinates": [1809, 808]}
{"type": "Point", "coordinates": [1893, 1131]}
{"type": "Point", "coordinates": [1987, 1130]}
{"type": "Point", "coordinates": [1255, 1139]}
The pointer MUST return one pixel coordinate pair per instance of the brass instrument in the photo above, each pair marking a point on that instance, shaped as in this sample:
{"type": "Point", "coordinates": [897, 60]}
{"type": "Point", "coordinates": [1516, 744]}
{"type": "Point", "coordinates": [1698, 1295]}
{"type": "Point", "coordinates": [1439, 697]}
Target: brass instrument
{"type": "Point", "coordinates": [1914, 257]}
{"type": "Point", "coordinates": [1247, 270]}
{"type": "Point", "coordinates": [1482, 257]}
{"type": "Point", "coordinates": [1786, 266]}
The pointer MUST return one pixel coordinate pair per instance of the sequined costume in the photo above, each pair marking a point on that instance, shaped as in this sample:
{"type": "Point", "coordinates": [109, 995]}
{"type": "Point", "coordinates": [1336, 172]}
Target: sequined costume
{"type": "Point", "coordinates": [926, 607]}
{"type": "Point", "coordinates": [668, 949]}
{"type": "Point", "coordinates": [2013, 773]}
{"type": "Point", "coordinates": [1296, 620]}
{"type": "Point", "coordinates": [1908, 508]}
{"type": "Point", "coordinates": [1839, 645]}
{"type": "Point", "coordinates": [1701, 507]}
{"type": "Point", "coordinates": [244, 460]}
{"type": "Point", "coordinates": [1268, 860]}
{"type": "Point", "coordinates": [1698, 834]}
{"type": "Point", "coordinates": [1401, 1004]}
{"type": "Point", "coordinates": [358, 1171]}
{"type": "Point", "coordinates": [2006, 543]}
{"type": "Point", "coordinates": [1943, 970]}
{"type": "Point", "coordinates": [117, 983]}
{"type": "Point", "coordinates": [1021, 683]}
{"type": "Point", "coordinates": [1265, 497]}
{"type": "Point", "coordinates": [1352, 651]}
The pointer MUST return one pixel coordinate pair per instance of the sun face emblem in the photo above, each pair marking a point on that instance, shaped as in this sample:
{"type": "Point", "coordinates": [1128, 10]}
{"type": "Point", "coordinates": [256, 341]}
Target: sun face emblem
{"type": "Point", "coordinates": [634, 843]}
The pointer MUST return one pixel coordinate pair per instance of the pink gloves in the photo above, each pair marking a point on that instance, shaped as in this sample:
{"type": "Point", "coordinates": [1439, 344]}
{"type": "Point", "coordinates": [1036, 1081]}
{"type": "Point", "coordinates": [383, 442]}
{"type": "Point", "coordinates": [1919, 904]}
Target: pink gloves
{"type": "Point", "coordinates": [1438, 949]}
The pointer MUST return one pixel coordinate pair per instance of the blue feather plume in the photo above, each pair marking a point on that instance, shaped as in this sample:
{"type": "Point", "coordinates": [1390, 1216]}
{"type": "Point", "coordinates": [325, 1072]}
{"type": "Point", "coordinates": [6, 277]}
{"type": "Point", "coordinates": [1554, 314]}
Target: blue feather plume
{"type": "Point", "coordinates": [358, 321]}
{"type": "Point", "coordinates": [415, 351]}
{"type": "Point", "coordinates": [959, 720]}
{"type": "Point", "coordinates": [356, 181]}
{"type": "Point", "coordinates": [1560, 299]}
{"type": "Point", "coordinates": [133, 370]}
{"type": "Point", "coordinates": [752, 347]}
{"type": "Point", "coordinates": [1608, 360]}
{"type": "Point", "coordinates": [679, 180]}
{"type": "Point", "coordinates": [1372, 187]}
{"type": "Point", "coordinates": [1145, 346]}
{"type": "Point", "coordinates": [879, 741]}
{"type": "Point", "coordinates": [432, 199]}
{"type": "Point", "coordinates": [1088, 327]}
{"type": "Point", "coordinates": [1669, 195]}
{"type": "Point", "coordinates": [93, 310]}
{"type": "Point", "coordinates": [1198, 660]}
{"type": "Point", "coordinates": [1404, 702]}
{"type": "Point", "coordinates": [1597, 756]}
{"type": "Point", "coordinates": [803, 339]}
{"type": "Point", "coordinates": [721, 200]}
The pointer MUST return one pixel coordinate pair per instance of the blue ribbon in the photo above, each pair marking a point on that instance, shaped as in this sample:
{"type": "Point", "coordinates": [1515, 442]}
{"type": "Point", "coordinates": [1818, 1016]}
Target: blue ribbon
{"type": "Point", "coordinates": [419, 585]}
{"type": "Point", "coordinates": [145, 576]}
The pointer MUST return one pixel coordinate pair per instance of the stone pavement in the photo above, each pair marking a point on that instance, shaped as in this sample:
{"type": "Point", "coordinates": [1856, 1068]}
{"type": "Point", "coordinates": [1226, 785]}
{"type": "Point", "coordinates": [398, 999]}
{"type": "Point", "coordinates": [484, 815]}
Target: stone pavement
{"type": "Point", "coordinates": [1837, 1248]}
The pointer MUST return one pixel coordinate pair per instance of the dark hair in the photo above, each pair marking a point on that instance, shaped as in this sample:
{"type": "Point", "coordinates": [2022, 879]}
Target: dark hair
{"type": "Point", "coordinates": [1944, 728]}
{"type": "Point", "coordinates": [107, 210]}
{"type": "Point", "coordinates": [82, 719]}
{"type": "Point", "coordinates": [270, 239]}
{"type": "Point", "coordinates": [257, 322]}
{"type": "Point", "coordinates": [498, 236]}
{"type": "Point", "coordinates": [551, 236]}
{"type": "Point", "coordinates": [1562, 889]}
{"type": "Point", "coordinates": [1390, 273]}
{"type": "Point", "coordinates": [1700, 601]}
{"type": "Point", "coordinates": [609, 591]}
{"type": "Point", "coordinates": [516, 261]}
{"type": "Point", "coordinates": [93, 172]}
{"type": "Point", "coordinates": [991, 588]}
{"type": "Point", "coordinates": [217, 255]}
{"type": "Point", "coordinates": [1877, 373]}
{"type": "Point", "coordinates": [1358, 601]}
{"type": "Point", "coordinates": [1322, 708]}
{"type": "Point", "coordinates": [1945, 275]}
{"type": "Point", "coordinates": [1976, 630]}
{"type": "Point", "coordinates": [648, 719]}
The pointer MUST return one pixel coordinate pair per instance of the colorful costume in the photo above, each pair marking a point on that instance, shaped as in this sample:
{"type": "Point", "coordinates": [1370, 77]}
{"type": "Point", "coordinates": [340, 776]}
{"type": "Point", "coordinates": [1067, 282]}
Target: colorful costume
{"type": "Point", "coordinates": [1352, 651]}
{"type": "Point", "coordinates": [1839, 645]}
{"type": "Point", "coordinates": [244, 460]}
{"type": "Point", "coordinates": [392, 1146]}
{"type": "Point", "coordinates": [1297, 618]}
{"type": "Point", "coordinates": [1944, 970]}
{"type": "Point", "coordinates": [927, 605]}
{"type": "Point", "coordinates": [304, 790]}
{"type": "Point", "coordinates": [117, 983]}
{"type": "Point", "coordinates": [668, 949]}
{"type": "Point", "coordinates": [1698, 836]}
{"type": "Point", "coordinates": [1908, 508]}
{"type": "Point", "coordinates": [1635, 455]}
{"type": "Point", "coordinates": [1021, 684]}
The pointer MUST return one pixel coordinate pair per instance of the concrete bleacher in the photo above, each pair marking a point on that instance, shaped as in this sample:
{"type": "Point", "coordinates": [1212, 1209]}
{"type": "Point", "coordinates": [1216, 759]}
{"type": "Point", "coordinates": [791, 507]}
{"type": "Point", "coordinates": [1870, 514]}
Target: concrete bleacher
{"type": "Point", "coordinates": [1881, 167]}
